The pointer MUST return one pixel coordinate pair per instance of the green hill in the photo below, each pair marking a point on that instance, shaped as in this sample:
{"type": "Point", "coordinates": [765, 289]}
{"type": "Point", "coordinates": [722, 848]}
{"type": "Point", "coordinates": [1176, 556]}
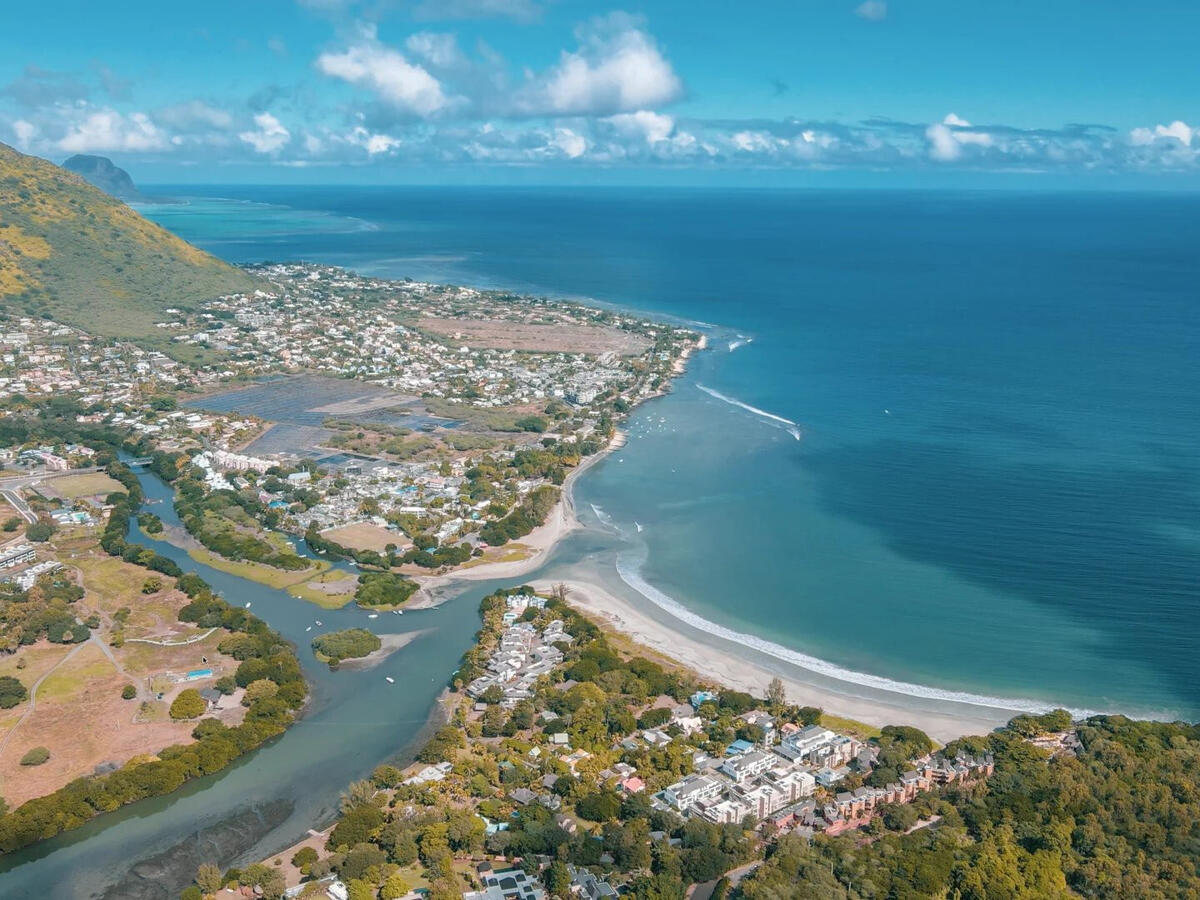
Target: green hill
{"type": "Point", "coordinates": [70, 251]}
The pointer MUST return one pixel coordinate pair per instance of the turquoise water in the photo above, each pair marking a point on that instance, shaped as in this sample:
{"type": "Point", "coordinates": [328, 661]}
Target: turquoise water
{"type": "Point", "coordinates": [997, 488]}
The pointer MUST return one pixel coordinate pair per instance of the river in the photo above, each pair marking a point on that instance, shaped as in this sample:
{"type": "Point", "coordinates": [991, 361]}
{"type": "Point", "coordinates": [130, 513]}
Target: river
{"type": "Point", "coordinates": [268, 799]}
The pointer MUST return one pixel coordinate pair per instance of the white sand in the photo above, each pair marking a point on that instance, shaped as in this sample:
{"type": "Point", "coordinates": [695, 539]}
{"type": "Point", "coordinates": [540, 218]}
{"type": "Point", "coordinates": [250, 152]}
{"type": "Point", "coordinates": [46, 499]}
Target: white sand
{"type": "Point", "coordinates": [726, 667]}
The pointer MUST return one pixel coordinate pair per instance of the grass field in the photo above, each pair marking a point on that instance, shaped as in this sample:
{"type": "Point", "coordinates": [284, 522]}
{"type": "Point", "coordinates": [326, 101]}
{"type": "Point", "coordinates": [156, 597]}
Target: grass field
{"type": "Point", "coordinates": [365, 536]}
{"type": "Point", "coordinates": [88, 666]}
{"type": "Point", "coordinates": [312, 590]}
{"type": "Point", "coordinates": [74, 486]}
{"type": "Point", "coordinates": [268, 575]}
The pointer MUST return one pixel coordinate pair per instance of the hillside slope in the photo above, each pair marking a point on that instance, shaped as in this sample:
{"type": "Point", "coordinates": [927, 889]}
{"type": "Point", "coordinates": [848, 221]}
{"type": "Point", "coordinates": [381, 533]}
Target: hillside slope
{"type": "Point", "coordinates": [71, 251]}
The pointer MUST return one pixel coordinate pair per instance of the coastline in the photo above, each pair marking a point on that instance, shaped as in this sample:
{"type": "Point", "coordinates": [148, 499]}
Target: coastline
{"type": "Point", "coordinates": [561, 521]}
{"type": "Point", "coordinates": [721, 665]}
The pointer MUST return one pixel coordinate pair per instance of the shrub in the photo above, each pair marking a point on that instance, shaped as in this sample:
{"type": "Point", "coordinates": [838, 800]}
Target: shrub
{"type": "Point", "coordinates": [128, 692]}
{"type": "Point", "coordinates": [353, 643]}
{"type": "Point", "coordinates": [188, 705]}
{"type": "Point", "coordinates": [35, 757]}
{"type": "Point", "coordinates": [12, 692]}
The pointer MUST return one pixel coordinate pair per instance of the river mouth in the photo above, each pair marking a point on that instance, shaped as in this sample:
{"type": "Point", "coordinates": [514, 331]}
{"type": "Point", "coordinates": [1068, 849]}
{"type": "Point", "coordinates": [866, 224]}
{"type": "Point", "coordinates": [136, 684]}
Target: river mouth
{"type": "Point", "coordinates": [266, 800]}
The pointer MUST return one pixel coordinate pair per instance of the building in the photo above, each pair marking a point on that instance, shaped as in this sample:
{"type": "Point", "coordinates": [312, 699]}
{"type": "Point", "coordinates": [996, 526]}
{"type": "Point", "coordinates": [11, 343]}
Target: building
{"type": "Point", "coordinates": [693, 790]}
{"type": "Point", "coordinates": [587, 886]}
{"type": "Point", "coordinates": [16, 556]}
{"type": "Point", "coordinates": [507, 884]}
{"type": "Point", "coordinates": [749, 765]}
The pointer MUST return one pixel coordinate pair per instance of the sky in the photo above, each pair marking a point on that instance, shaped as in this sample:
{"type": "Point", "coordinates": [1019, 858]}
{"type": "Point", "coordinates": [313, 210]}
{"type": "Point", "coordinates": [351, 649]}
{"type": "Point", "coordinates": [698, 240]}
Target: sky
{"type": "Point", "coordinates": [903, 92]}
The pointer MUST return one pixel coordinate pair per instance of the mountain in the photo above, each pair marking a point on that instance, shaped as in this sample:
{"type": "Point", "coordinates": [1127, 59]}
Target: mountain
{"type": "Point", "coordinates": [70, 251]}
{"type": "Point", "coordinates": [101, 172]}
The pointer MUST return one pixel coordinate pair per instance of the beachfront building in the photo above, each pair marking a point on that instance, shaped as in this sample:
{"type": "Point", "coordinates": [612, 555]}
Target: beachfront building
{"type": "Point", "coordinates": [692, 791]}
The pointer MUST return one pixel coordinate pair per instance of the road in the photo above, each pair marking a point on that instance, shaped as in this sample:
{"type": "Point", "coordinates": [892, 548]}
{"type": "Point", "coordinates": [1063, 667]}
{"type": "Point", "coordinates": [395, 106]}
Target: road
{"type": "Point", "coordinates": [11, 487]}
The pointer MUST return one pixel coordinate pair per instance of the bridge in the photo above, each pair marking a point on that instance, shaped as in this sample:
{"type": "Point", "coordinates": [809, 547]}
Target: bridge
{"type": "Point", "coordinates": [139, 462]}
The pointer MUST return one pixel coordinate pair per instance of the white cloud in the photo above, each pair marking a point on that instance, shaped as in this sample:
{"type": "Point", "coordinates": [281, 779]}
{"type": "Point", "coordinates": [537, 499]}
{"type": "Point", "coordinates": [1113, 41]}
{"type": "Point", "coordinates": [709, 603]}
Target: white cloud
{"type": "Point", "coordinates": [270, 135]}
{"type": "Point", "coordinates": [107, 130]}
{"type": "Point", "coordinates": [1178, 130]}
{"type": "Point", "coordinates": [947, 138]}
{"type": "Point", "coordinates": [24, 132]}
{"type": "Point", "coordinates": [401, 84]}
{"type": "Point", "coordinates": [942, 145]}
{"type": "Point", "coordinates": [872, 10]}
{"type": "Point", "coordinates": [439, 50]}
{"type": "Point", "coordinates": [194, 115]}
{"type": "Point", "coordinates": [618, 68]}
{"type": "Point", "coordinates": [652, 127]}
{"type": "Point", "coordinates": [573, 145]}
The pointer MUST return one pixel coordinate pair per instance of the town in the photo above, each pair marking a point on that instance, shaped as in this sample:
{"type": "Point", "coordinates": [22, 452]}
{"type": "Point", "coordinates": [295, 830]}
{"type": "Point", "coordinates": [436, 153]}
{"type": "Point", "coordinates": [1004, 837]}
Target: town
{"type": "Point", "coordinates": [568, 768]}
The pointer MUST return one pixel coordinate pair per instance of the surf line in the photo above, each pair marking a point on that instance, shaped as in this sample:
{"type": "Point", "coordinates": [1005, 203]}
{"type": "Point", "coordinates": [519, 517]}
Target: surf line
{"type": "Point", "coordinates": [629, 569]}
{"type": "Point", "coordinates": [791, 427]}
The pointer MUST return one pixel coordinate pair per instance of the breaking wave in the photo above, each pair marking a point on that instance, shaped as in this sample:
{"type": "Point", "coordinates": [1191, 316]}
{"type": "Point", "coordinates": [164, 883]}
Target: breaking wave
{"type": "Point", "coordinates": [631, 574]}
{"type": "Point", "coordinates": [788, 425]}
{"type": "Point", "coordinates": [740, 342]}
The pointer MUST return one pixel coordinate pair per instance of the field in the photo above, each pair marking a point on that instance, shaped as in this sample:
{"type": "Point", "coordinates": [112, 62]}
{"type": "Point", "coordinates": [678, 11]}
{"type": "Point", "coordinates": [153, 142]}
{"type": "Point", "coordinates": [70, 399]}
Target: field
{"type": "Point", "coordinates": [76, 710]}
{"type": "Point", "coordinates": [365, 536]}
{"type": "Point", "coordinates": [330, 590]}
{"type": "Point", "coordinates": [268, 575]}
{"type": "Point", "coordinates": [504, 335]}
{"type": "Point", "coordinates": [73, 487]}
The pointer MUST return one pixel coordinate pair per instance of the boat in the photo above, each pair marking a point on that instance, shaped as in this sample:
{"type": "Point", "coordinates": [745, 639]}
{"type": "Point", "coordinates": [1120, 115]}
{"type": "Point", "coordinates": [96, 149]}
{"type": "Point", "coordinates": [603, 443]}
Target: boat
{"type": "Point", "coordinates": [309, 628]}
{"type": "Point", "coordinates": [247, 604]}
{"type": "Point", "coordinates": [318, 621]}
{"type": "Point", "coordinates": [373, 616]}
{"type": "Point", "coordinates": [390, 679]}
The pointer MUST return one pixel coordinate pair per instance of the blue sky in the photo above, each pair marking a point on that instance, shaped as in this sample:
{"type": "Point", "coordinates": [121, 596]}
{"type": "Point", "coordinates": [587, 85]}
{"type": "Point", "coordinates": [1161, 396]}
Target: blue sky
{"type": "Point", "coordinates": [881, 91]}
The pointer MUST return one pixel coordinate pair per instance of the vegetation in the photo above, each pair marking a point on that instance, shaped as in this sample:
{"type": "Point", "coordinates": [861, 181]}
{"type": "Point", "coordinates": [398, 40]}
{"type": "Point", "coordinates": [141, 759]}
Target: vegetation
{"type": "Point", "coordinates": [188, 705]}
{"type": "Point", "coordinates": [35, 757]}
{"type": "Point", "coordinates": [352, 643]}
{"type": "Point", "coordinates": [12, 692]}
{"type": "Point", "coordinates": [70, 251]}
{"type": "Point", "coordinates": [383, 589]}
{"type": "Point", "coordinates": [527, 516]}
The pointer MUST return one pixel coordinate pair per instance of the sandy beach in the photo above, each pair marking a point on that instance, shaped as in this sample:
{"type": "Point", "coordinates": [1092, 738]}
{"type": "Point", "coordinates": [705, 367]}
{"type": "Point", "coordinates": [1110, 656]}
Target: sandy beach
{"type": "Point", "coordinates": [390, 643]}
{"type": "Point", "coordinates": [559, 523]}
{"type": "Point", "coordinates": [722, 666]}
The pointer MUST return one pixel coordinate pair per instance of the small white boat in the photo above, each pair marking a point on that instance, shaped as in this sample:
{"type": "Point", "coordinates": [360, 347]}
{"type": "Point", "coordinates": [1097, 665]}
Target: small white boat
{"type": "Point", "coordinates": [318, 621]}
{"type": "Point", "coordinates": [373, 616]}
{"type": "Point", "coordinates": [309, 628]}
{"type": "Point", "coordinates": [247, 604]}
{"type": "Point", "coordinates": [390, 679]}
{"type": "Point", "coordinates": [638, 525]}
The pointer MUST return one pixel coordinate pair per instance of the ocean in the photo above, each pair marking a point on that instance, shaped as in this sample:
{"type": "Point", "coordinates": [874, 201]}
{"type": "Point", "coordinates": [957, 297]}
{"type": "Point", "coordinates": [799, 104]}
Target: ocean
{"type": "Point", "coordinates": [940, 444]}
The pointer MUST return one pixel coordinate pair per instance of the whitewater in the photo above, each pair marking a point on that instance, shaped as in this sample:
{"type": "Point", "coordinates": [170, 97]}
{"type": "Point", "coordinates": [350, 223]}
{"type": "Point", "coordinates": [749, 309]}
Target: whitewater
{"type": "Point", "coordinates": [791, 427]}
{"type": "Point", "coordinates": [628, 567]}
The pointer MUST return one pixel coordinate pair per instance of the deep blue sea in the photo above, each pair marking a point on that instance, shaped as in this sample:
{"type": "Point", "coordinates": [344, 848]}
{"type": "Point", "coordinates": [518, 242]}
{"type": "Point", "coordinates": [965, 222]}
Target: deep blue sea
{"type": "Point", "coordinates": [997, 487]}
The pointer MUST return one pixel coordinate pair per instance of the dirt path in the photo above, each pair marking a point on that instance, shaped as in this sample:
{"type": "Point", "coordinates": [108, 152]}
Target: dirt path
{"type": "Point", "coordinates": [33, 695]}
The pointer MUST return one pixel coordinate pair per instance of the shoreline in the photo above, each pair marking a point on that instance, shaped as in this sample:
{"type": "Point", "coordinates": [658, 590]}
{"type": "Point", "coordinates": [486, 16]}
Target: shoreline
{"type": "Point", "coordinates": [561, 521]}
{"type": "Point", "coordinates": [719, 664]}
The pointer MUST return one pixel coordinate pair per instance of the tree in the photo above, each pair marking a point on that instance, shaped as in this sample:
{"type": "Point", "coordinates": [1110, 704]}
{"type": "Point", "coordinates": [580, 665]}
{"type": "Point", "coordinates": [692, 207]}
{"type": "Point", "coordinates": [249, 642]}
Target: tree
{"type": "Point", "coordinates": [128, 692]}
{"type": "Point", "coordinates": [152, 585]}
{"type": "Point", "coordinates": [188, 705]}
{"type": "Point", "coordinates": [776, 695]}
{"type": "Point", "coordinates": [303, 859]}
{"type": "Point", "coordinates": [40, 531]}
{"type": "Point", "coordinates": [12, 692]}
{"type": "Point", "coordinates": [558, 880]}
{"type": "Point", "coordinates": [358, 794]}
{"type": "Point", "coordinates": [208, 878]}
{"type": "Point", "coordinates": [191, 892]}
{"type": "Point", "coordinates": [394, 888]}
{"type": "Point", "coordinates": [259, 690]}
